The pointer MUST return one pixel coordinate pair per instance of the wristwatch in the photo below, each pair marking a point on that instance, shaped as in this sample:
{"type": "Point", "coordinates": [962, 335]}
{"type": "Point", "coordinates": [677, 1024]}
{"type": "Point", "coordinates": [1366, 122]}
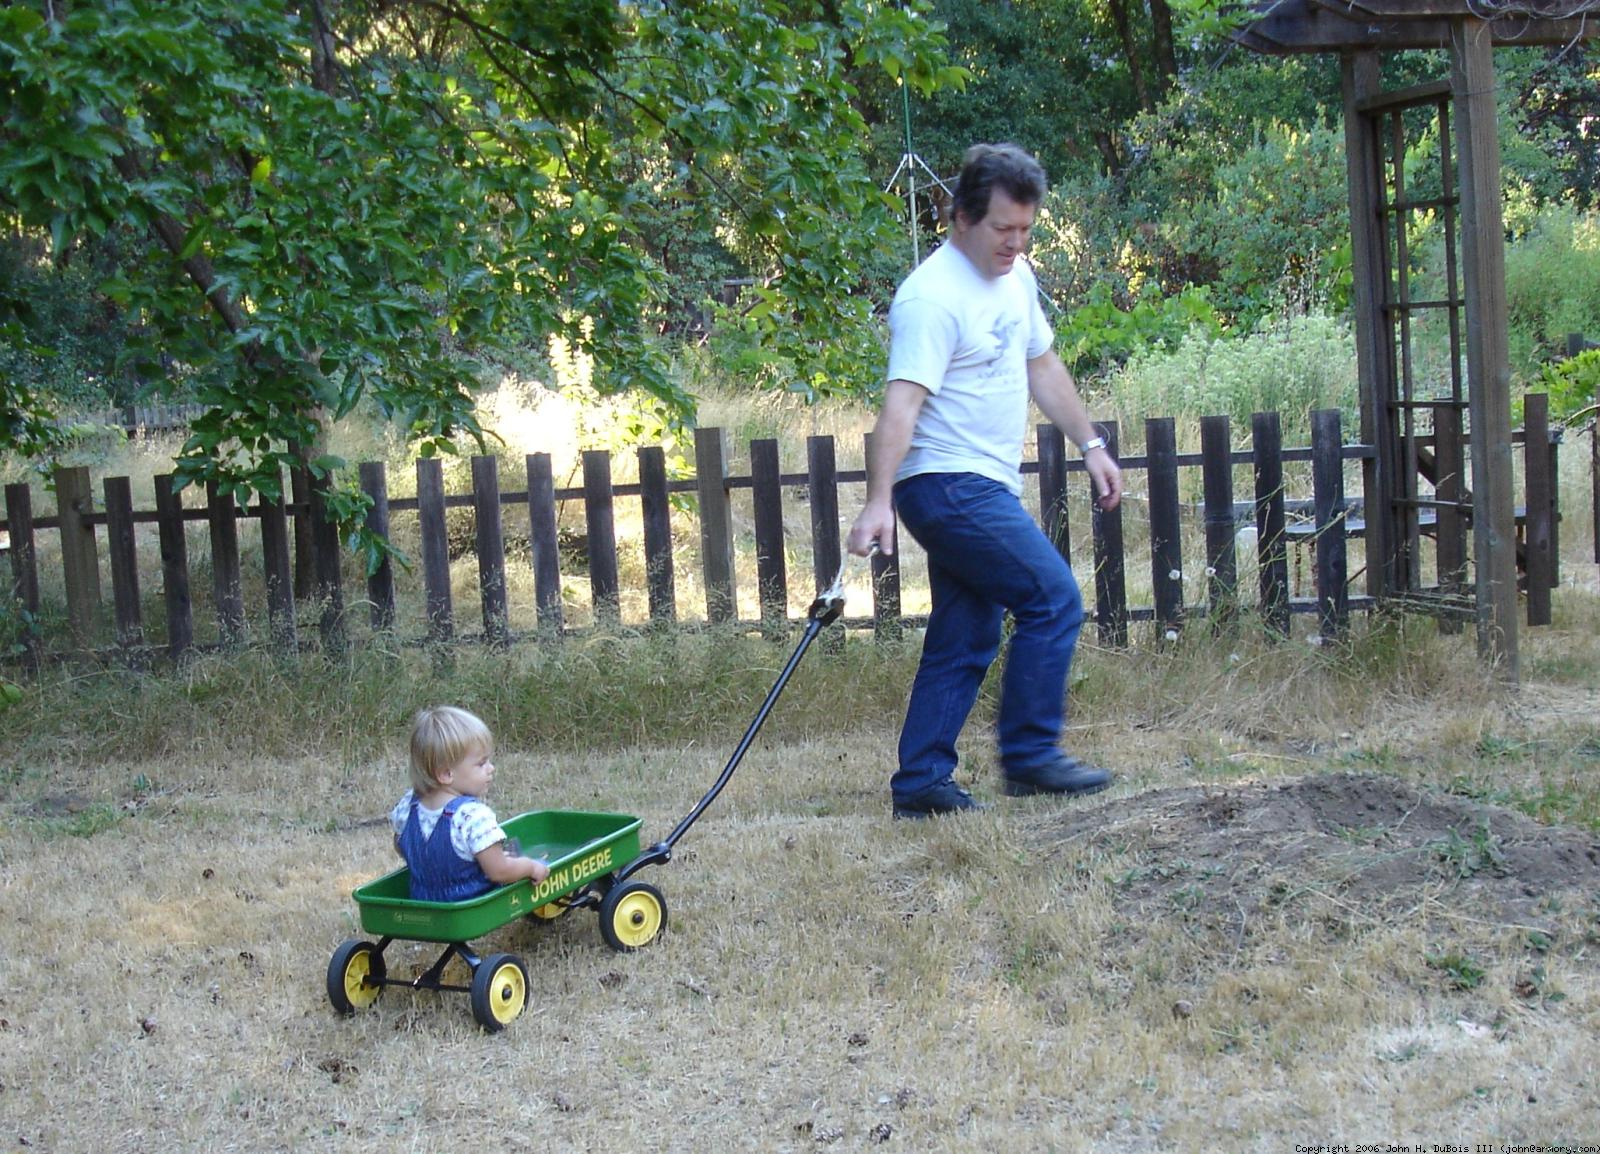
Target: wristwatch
{"type": "Point", "coordinates": [1092, 443]}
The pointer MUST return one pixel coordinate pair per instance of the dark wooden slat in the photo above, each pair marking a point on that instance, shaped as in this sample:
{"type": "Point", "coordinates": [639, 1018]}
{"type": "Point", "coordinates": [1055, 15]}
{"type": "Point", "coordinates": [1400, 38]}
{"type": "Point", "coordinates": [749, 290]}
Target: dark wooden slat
{"type": "Point", "coordinates": [490, 542]}
{"type": "Point", "coordinates": [600, 520]}
{"type": "Point", "coordinates": [1110, 566]}
{"type": "Point", "coordinates": [772, 571]}
{"type": "Point", "coordinates": [1222, 563]}
{"type": "Point", "coordinates": [305, 568]}
{"type": "Point", "coordinates": [886, 622]}
{"type": "Point", "coordinates": [329, 580]}
{"type": "Point", "coordinates": [1272, 547]}
{"type": "Point", "coordinates": [716, 523]}
{"type": "Point", "coordinates": [1052, 450]}
{"type": "Point", "coordinates": [544, 540]}
{"type": "Point", "coordinates": [822, 475]}
{"type": "Point", "coordinates": [227, 589]}
{"type": "Point", "coordinates": [1450, 548]}
{"type": "Point", "coordinates": [656, 511]}
{"type": "Point", "coordinates": [80, 562]}
{"type": "Point", "coordinates": [435, 550]}
{"type": "Point", "coordinates": [1540, 485]}
{"type": "Point", "coordinates": [1330, 511]}
{"type": "Point", "coordinates": [123, 549]}
{"type": "Point", "coordinates": [1166, 539]}
{"type": "Point", "coordinates": [278, 571]}
{"type": "Point", "coordinates": [174, 567]}
{"type": "Point", "coordinates": [24, 567]}
{"type": "Point", "coordinates": [380, 582]}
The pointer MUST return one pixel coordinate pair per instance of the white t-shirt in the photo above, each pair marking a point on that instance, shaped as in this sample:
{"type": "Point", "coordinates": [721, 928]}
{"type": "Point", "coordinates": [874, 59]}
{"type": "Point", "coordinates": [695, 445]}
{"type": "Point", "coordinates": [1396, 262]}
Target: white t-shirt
{"type": "Point", "coordinates": [473, 827]}
{"type": "Point", "coordinates": [967, 339]}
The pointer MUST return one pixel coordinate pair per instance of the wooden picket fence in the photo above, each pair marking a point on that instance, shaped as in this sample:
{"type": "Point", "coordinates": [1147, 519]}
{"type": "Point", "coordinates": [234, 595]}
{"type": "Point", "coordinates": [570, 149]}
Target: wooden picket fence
{"type": "Point", "coordinates": [304, 562]}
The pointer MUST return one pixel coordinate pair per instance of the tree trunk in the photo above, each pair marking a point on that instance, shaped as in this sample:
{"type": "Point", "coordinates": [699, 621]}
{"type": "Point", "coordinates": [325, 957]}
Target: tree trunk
{"type": "Point", "coordinates": [1130, 52]}
{"type": "Point", "coordinates": [1166, 56]}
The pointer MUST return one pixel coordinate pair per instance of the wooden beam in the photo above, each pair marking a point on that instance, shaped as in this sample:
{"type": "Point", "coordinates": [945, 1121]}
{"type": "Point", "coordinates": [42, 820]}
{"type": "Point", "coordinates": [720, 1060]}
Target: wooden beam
{"type": "Point", "coordinates": [1295, 26]}
{"type": "Point", "coordinates": [1483, 269]}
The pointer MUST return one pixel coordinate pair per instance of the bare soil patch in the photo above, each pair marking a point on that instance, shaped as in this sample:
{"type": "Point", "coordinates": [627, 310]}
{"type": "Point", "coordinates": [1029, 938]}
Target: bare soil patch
{"type": "Point", "coordinates": [1372, 846]}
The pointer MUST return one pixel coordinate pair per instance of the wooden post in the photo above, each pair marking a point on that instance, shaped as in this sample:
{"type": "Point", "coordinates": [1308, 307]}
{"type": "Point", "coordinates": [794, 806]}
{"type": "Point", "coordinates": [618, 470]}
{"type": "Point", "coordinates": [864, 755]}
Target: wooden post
{"type": "Point", "coordinates": [600, 521]}
{"type": "Point", "coordinates": [1272, 546]}
{"type": "Point", "coordinates": [886, 622]}
{"type": "Point", "coordinates": [1052, 449]}
{"type": "Point", "coordinates": [226, 586]}
{"type": "Point", "coordinates": [827, 559]}
{"type": "Point", "coordinates": [1327, 487]}
{"type": "Point", "coordinates": [278, 571]}
{"type": "Point", "coordinates": [435, 550]}
{"type": "Point", "coordinates": [329, 580]}
{"type": "Point", "coordinates": [24, 568]}
{"type": "Point", "coordinates": [380, 582]}
{"type": "Point", "coordinates": [1540, 482]}
{"type": "Point", "coordinates": [1222, 563]}
{"type": "Point", "coordinates": [544, 540]}
{"type": "Point", "coordinates": [123, 548]}
{"type": "Point", "coordinates": [716, 523]}
{"type": "Point", "coordinates": [80, 562]}
{"type": "Point", "coordinates": [656, 510]}
{"type": "Point", "coordinates": [1110, 569]}
{"type": "Point", "coordinates": [491, 548]}
{"type": "Point", "coordinates": [1166, 534]}
{"type": "Point", "coordinates": [1488, 362]}
{"type": "Point", "coordinates": [305, 570]}
{"type": "Point", "coordinates": [174, 567]}
{"type": "Point", "coordinates": [1450, 550]}
{"type": "Point", "coordinates": [772, 568]}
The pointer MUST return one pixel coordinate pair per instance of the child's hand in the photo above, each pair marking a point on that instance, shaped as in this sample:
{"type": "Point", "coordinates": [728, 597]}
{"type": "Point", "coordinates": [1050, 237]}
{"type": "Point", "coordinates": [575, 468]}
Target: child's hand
{"type": "Point", "coordinates": [540, 870]}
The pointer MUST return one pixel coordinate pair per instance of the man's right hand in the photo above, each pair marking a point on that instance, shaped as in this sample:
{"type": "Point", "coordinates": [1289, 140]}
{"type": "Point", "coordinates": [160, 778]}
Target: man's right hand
{"type": "Point", "coordinates": [874, 527]}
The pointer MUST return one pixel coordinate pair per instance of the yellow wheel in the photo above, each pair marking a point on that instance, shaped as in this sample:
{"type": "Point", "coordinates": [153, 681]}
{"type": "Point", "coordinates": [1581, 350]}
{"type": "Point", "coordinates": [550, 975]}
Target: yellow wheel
{"type": "Point", "coordinates": [355, 976]}
{"type": "Point", "coordinates": [632, 916]}
{"type": "Point", "coordinates": [499, 991]}
{"type": "Point", "coordinates": [550, 910]}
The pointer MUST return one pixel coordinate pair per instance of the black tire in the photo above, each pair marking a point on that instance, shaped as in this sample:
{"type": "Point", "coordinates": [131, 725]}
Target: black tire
{"type": "Point", "coordinates": [355, 976]}
{"type": "Point", "coordinates": [499, 991]}
{"type": "Point", "coordinates": [632, 915]}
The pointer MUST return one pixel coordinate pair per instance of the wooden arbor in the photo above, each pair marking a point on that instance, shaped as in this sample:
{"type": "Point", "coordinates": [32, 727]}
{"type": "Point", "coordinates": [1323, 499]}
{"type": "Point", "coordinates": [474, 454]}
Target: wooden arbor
{"type": "Point", "coordinates": [1412, 412]}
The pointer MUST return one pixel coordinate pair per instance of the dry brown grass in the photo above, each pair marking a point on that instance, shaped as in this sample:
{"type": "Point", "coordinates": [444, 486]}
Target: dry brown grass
{"type": "Point", "coordinates": [1135, 971]}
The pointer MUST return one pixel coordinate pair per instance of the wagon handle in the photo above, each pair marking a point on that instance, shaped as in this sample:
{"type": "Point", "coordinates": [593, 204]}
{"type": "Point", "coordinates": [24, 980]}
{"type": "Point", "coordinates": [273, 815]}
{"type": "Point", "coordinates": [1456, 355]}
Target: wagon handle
{"type": "Point", "coordinates": [824, 611]}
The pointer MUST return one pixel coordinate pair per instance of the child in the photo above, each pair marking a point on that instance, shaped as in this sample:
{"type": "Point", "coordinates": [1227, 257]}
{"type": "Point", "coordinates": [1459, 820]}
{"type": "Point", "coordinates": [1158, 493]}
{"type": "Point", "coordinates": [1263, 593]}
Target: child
{"type": "Point", "coordinates": [450, 840]}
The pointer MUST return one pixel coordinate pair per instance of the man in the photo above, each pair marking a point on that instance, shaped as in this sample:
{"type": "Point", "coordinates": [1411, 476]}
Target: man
{"type": "Point", "coordinates": [969, 345]}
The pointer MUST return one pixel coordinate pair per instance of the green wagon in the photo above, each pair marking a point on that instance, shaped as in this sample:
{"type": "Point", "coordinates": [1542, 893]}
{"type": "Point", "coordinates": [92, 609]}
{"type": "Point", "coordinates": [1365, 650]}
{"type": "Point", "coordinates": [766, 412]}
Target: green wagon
{"type": "Point", "coordinates": [592, 859]}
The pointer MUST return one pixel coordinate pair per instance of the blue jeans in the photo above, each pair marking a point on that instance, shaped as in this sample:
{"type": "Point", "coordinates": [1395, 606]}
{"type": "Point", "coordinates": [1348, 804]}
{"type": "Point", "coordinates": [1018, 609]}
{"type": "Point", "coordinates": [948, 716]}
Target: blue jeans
{"type": "Point", "coordinates": [986, 555]}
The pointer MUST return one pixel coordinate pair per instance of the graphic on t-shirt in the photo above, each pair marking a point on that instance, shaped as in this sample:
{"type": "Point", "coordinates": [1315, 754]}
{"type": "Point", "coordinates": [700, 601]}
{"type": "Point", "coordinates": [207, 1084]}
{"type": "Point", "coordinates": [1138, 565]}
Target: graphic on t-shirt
{"type": "Point", "coordinates": [1004, 327]}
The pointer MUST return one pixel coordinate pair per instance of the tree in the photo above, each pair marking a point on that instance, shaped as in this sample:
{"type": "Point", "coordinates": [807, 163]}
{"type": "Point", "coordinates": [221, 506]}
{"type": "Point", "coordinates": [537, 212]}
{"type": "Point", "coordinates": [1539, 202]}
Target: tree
{"type": "Point", "coordinates": [326, 203]}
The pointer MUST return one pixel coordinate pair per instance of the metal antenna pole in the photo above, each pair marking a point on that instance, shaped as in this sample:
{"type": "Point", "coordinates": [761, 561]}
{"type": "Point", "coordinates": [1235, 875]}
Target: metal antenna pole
{"type": "Point", "coordinates": [911, 177]}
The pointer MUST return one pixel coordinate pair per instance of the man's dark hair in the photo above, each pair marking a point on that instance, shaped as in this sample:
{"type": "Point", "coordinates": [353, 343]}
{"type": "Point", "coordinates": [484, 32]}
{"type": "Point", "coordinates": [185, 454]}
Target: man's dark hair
{"type": "Point", "coordinates": [988, 166]}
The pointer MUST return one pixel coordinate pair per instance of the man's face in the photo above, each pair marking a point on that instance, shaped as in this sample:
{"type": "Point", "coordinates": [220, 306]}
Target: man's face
{"type": "Point", "coordinates": [994, 243]}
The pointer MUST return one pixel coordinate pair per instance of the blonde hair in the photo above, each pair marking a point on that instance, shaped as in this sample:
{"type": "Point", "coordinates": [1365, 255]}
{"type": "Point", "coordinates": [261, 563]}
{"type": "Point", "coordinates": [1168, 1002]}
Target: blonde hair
{"type": "Point", "coordinates": [441, 736]}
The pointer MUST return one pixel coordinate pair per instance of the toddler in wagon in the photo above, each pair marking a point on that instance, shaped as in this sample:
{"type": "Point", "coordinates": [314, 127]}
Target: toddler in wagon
{"type": "Point", "coordinates": [449, 838]}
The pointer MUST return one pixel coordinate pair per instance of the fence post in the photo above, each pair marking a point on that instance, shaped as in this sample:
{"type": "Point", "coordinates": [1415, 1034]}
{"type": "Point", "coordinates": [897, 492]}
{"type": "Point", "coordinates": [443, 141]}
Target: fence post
{"type": "Point", "coordinates": [1272, 546]}
{"type": "Point", "coordinates": [24, 568]}
{"type": "Point", "coordinates": [1540, 483]}
{"type": "Point", "coordinates": [544, 540]}
{"type": "Point", "coordinates": [1450, 550]}
{"type": "Point", "coordinates": [435, 549]}
{"type": "Point", "coordinates": [304, 539]}
{"type": "Point", "coordinates": [716, 523]}
{"type": "Point", "coordinates": [80, 562]}
{"type": "Point", "coordinates": [226, 587]}
{"type": "Point", "coordinates": [656, 510]}
{"type": "Point", "coordinates": [772, 568]}
{"type": "Point", "coordinates": [123, 548]}
{"type": "Point", "coordinates": [1110, 566]}
{"type": "Point", "coordinates": [1327, 485]}
{"type": "Point", "coordinates": [277, 569]}
{"type": "Point", "coordinates": [330, 590]}
{"type": "Point", "coordinates": [1052, 449]}
{"type": "Point", "coordinates": [885, 575]}
{"type": "Point", "coordinates": [380, 582]}
{"type": "Point", "coordinates": [822, 477]}
{"type": "Point", "coordinates": [600, 522]}
{"type": "Point", "coordinates": [1166, 535]}
{"type": "Point", "coordinates": [489, 539]}
{"type": "Point", "coordinates": [1222, 563]}
{"type": "Point", "coordinates": [174, 567]}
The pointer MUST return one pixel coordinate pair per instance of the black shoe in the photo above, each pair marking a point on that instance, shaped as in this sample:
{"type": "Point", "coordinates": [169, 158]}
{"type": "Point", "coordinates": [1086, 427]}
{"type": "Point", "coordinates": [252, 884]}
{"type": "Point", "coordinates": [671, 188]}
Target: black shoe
{"type": "Point", "coordinates": [945, 797]}
{"type": "Point", "coordinates": [1063, 776]}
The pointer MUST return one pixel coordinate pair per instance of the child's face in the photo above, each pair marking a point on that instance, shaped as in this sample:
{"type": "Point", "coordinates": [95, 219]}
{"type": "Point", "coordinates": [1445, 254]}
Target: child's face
{"type": "Point", "coordinates": [471, 775]}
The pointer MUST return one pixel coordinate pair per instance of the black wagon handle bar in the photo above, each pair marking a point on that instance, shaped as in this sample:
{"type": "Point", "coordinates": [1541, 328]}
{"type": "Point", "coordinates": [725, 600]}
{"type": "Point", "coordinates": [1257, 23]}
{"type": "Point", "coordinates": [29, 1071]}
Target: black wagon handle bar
{"type": "Point", "coordinates": [824, 611]}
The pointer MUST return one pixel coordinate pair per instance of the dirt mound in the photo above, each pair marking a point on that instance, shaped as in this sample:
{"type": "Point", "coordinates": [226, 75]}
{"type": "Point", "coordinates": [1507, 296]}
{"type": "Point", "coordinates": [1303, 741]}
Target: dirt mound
{"type": "Point", "coordinates": [1365, 846]}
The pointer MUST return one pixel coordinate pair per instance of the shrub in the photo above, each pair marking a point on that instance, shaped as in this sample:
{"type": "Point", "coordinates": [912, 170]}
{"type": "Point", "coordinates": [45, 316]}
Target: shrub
{"type": "Point", "coordinates": [1552, 286]}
